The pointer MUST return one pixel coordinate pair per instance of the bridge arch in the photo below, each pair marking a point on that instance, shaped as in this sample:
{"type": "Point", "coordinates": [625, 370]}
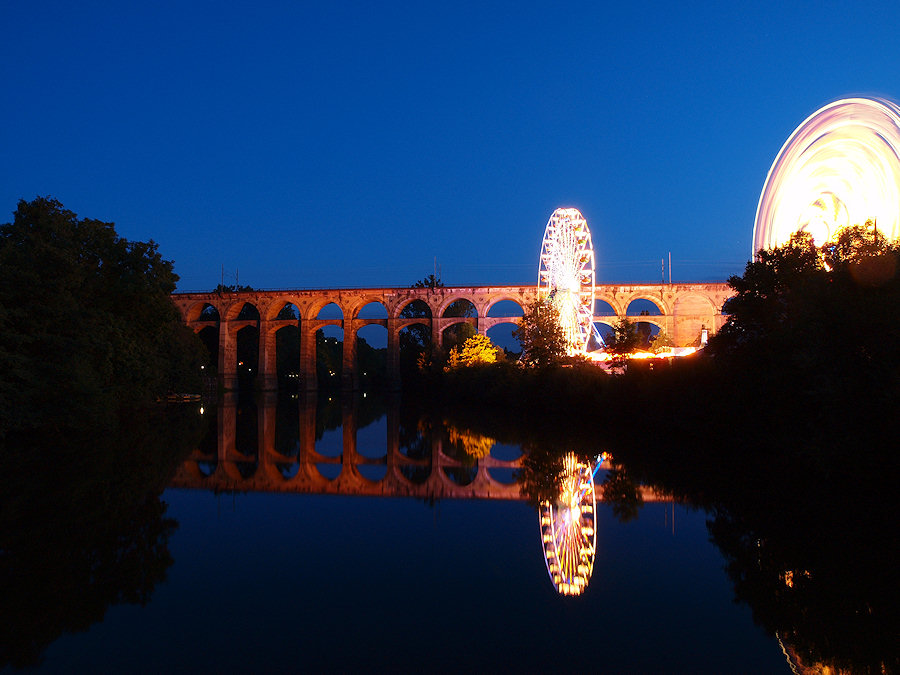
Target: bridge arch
{"type": "Point", "coordinates": [416, 305]}
{"type": "Point", "coordinates": [233, 309]}
{"type": "Point", "coordinates": [274, 308]}
{"type": "Point", "coordinates": [195, 312]}
{"type": "Point", "coordinates": [606, 306]}
{"type": "Point", "coordinates": [501, 334]}
{"type": "Point", "coordinates": [694, 303]}
{"type": "Point", "coordinates": [605, 328]}
{"type": "Point", "coordinates": [320, 308]}
{"type": "Point", "coordinates": [504, 311]}
{"type": "Point", "coordinates": [462, 303]}
{"type": "Point", "coordinates": [367, 305]}
{"type": "Point", "coordinates": [656, 300]}
{"type": "Point", "coordinates": [451, 328]}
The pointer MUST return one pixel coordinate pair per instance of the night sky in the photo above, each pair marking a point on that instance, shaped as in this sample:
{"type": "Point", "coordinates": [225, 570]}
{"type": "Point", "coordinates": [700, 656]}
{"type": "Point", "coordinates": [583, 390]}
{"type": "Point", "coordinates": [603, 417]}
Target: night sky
{"type": "Point", "coordinates": [342, 144]}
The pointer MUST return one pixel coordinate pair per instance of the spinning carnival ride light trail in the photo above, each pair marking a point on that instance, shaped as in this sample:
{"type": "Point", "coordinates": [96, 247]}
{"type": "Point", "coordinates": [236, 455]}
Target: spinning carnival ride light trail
{"type": "Point", "coordinates": [566, 276]}
{"type": "Point", "coordinates": [568, 535]}
{"type": "Point", "coordinates": [840, 167]}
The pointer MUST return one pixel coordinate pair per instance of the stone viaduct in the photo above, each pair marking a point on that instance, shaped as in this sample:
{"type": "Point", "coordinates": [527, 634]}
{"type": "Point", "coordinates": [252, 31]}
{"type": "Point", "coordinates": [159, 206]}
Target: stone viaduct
{"type": "Point", "coordinates": [683, 310]}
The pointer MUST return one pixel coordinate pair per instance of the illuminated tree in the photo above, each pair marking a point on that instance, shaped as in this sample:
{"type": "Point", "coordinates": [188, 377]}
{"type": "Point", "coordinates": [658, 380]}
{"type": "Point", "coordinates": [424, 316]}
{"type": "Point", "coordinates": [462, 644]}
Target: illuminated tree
{"type": "Point", "coordinates": [661, 341]}
{"type": "Point", "coordinates": [478, 349]}
{"type": "Point", "coordinates": [864, 252]}
{"type": "Point", "coordinates": [625, 338]}
{"type": "Point", "coordinates": [541, 336]}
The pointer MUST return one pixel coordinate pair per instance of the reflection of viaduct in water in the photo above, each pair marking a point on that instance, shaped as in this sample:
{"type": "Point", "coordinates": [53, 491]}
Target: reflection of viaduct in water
{"type": "Point", "coordinates": [434, 475]}
{"type": "Point", "coordinates": [684, 310]}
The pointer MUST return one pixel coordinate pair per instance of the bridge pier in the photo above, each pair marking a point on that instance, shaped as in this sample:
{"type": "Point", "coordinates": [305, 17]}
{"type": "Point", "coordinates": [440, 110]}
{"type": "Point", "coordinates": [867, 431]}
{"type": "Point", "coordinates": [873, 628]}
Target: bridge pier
{"type": "Point", "coordinates": [393, 354]}
{"type": "Point", "coordinates": [308, 375]}
{"type": "Point", "coordinates": [349, 374]}
{"type": "Point", "coordinates": [268, 375]}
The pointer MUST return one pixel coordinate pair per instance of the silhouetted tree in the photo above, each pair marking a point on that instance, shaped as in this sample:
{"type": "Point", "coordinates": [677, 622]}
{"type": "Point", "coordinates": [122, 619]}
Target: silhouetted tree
{"type": "Point", "coordinates": [86, 318]}
{"type": "Point", "coordinates": [625, 338]}
{"type": "Point", "coordinates": [431, 281]}
{"type": "Point", "coordinates": [329, 360]}
{"type": "Point", "coordinates": [232, 288]}
{"type": "Point", "coordinates": [821, 316]}
{"type": "Point", "coordinates": [371, 362]}
{"type": "Point", "coordinates": [540, 335]}
{"type": "Point", "coordinates": [623, 493]}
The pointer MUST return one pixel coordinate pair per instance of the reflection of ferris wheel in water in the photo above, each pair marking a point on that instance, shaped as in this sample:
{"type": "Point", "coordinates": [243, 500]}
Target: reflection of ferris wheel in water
{"type": "Point", "coordinates": [566, 275]}
{"type": "Point", "coordinates": [567, 528]}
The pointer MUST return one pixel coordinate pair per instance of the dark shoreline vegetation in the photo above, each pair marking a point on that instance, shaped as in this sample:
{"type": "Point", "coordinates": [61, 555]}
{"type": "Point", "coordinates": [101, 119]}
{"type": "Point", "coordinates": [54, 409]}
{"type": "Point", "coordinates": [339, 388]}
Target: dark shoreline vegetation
{"type": "Point", "coordinates": [783, 429]}
{"type": "Point", "coordinates": [87, 324]}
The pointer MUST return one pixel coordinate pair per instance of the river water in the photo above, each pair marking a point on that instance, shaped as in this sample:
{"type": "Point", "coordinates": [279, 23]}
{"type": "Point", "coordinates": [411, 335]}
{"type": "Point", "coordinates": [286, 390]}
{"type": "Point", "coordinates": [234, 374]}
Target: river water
{"type": "Point", "coordinates": [349, 537]}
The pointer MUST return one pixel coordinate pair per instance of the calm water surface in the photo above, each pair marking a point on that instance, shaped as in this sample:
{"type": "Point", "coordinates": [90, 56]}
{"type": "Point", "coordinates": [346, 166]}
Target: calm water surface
{"type": "Point", "coordinates": [299, 581]}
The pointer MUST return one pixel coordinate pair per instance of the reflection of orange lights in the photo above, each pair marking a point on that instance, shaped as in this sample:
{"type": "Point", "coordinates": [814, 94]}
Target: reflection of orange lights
{"type": "Point", "coordinates": [473, 444]}
{"type": "Point", "coordinates": [788, 576]}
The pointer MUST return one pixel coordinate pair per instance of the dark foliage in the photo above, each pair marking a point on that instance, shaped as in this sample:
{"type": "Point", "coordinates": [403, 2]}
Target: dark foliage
{"type": "Point", "coordinates": [86, 320]}
{"type": "Point", "coordinates": [232, 288]}
{"type": "Point", "coordinates": [287, 351]}
{"type": "Point", "coordinates": [625, 339]}
{"type": "Point", "coordinates": [541, 336]}
{"type": "Point", "coordinates": [431, 281]}
{"type": "Point", "coordinates": [371, 364]}
{"type": "Point", "coordinates": [329, 361]}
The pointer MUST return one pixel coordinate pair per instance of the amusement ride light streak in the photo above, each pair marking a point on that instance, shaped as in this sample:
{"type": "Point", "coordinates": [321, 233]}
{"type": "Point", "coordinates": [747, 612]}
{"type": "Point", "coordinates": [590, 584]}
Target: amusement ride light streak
{"type": "Point", "coordinates": [840, 167]}
{"type": "Point", "coordinates": [566, 275]}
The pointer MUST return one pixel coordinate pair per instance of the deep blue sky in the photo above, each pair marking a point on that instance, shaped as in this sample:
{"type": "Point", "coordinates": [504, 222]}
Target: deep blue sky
{"type": "Point", "coordinates": [337, 143]}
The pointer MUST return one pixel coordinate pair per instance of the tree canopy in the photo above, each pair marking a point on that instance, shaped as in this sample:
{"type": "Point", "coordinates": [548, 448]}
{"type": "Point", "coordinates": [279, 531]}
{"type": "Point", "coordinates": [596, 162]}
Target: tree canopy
{"type": "Point", "coordinates": [86, 319]}
{"type": "Point", "coordinates": [625, 338]}
{"type": "Point", "coordinates": [828, 310]}
{"type": "Point", "coordinates": [477, 350]}
{"type": "Point", "coordinates": [431, 281]}
{"type": "Point", "coordinates": [540, 335]}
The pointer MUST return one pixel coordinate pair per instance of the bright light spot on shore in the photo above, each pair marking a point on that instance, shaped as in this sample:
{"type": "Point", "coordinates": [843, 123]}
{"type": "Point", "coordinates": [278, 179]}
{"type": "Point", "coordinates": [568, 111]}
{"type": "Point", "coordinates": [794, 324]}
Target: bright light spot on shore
{"type": "Point", "coordinates": [672, 352]}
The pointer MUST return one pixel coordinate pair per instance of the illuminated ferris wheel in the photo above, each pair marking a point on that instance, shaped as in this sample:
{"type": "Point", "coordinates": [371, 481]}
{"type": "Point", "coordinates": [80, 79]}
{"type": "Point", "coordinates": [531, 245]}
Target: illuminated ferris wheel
{"type": "Point", "coordinates": [566, 275]}
{"type": "Point", "coordinates": [567, 529]}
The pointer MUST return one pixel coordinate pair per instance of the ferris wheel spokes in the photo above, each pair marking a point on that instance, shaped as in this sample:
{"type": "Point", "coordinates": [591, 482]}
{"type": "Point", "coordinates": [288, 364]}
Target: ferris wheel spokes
{"type": "Point", "coordinates": [566, 275]}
